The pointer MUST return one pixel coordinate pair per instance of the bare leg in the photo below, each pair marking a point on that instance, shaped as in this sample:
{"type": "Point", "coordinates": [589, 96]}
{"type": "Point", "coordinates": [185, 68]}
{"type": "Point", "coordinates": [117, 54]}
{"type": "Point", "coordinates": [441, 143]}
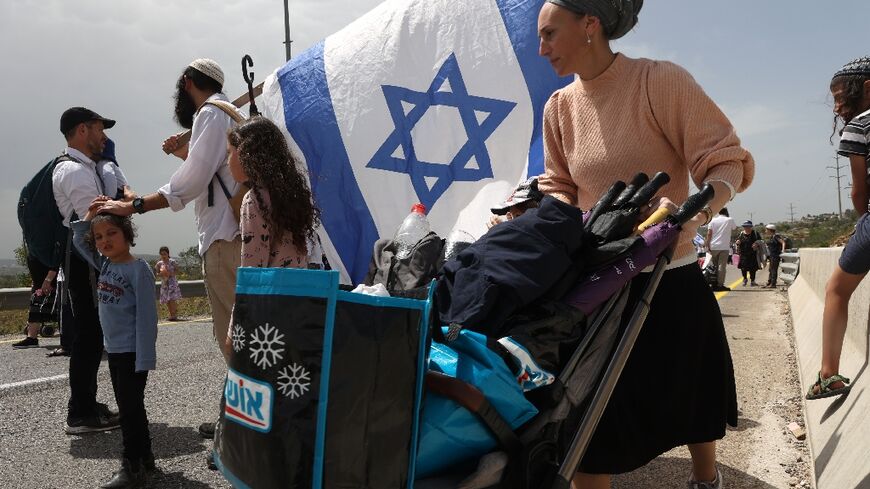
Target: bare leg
{"type": "Point", "coordinates": [32, 330]}
{"type": "Point", "coordinates": [173, 309]}
{"type": "Point", "coordinates": [836, 316]}
{"type": "Point", "coordinates": [703, 461]}
{"type": "Point", "coordinates": [591, 481]}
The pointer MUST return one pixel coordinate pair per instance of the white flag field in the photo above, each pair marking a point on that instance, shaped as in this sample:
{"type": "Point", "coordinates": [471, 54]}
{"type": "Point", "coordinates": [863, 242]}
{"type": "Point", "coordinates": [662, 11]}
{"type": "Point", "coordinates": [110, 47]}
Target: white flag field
{"type": "Point", "coordinates": [434, 101]}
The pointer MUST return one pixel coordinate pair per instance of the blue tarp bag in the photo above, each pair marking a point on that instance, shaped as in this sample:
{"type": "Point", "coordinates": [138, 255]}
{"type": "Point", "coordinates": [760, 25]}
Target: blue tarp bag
{"type": "Point", "coordinates": [451, 435]}
{"type": "Point", "coordinates": [324, 386]}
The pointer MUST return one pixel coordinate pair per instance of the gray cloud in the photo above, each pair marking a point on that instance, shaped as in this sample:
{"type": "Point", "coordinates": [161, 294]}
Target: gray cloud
{"type": "Point", "coordinates": [122, 58]}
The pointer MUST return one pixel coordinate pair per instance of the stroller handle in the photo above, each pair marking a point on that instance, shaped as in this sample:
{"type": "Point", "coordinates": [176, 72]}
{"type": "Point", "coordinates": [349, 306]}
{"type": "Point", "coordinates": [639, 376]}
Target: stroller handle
{"type": "Point", "coordinates": [693, 204]}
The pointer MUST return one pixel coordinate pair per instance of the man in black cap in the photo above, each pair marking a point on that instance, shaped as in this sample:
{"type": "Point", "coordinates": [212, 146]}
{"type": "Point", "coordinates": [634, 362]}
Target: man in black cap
{"type": "Point", "coordinates": [76, 183]}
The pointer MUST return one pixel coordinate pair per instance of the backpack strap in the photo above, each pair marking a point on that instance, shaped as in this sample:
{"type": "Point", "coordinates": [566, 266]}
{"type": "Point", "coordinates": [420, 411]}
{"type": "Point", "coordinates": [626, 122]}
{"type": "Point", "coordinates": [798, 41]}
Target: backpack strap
{"type": "Point", "coordinates": [230, 110]}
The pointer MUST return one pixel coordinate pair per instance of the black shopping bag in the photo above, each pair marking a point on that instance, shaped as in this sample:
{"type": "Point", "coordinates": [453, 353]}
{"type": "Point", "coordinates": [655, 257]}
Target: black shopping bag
{"type": "Point", "coordinates": [324, 385]}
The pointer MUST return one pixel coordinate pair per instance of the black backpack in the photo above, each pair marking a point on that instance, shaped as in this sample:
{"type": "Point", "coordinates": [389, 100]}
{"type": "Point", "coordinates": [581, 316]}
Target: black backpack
{"type": "Point", "coordinates": [399, 274]}
{"type": "Point", "coordinates": [45, 236]}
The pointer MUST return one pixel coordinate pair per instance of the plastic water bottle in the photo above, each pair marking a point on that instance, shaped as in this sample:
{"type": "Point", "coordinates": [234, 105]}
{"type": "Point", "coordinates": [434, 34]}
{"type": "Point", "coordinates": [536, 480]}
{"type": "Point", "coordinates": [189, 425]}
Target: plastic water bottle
{"type": "Point", "coordinates": [414, 228]}
{"type": "Point", "coordinates": [457, 241]}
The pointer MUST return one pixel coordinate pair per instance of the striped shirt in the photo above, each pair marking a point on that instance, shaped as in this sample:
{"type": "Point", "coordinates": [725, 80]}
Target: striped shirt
{"type": "Point", "coordinates": [855, 139]}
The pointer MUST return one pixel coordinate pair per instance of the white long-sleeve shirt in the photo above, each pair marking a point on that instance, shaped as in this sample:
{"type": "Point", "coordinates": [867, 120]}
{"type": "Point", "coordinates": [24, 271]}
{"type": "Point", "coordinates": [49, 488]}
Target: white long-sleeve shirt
{"type": "Point", "coordinates": [207, 154]}
{"type": "Point", "coordinates": [75, 184]}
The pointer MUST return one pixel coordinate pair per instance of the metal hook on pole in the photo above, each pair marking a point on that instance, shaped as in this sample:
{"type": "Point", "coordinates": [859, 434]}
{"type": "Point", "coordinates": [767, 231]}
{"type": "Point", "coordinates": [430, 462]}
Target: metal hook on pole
{"type": "Point", "coordinates": [247, 62]}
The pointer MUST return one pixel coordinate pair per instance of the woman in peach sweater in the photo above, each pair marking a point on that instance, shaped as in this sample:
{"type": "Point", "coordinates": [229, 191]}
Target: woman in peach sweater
{"type": "Point", "coordinates": [622, 116]}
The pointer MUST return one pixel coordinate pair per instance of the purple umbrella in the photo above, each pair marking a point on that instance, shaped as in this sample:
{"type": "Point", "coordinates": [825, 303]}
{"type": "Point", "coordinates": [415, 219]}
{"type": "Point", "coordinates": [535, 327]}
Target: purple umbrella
{"type": "Point", "coordinates": [593, 288]}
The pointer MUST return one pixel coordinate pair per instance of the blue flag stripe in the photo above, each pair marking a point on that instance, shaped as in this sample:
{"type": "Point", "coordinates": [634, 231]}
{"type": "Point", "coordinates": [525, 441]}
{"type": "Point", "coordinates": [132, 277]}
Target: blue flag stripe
{"type": "Point", "coordinates": [346, 219]}
{"type": "Point", "coordinates": [520, 20]}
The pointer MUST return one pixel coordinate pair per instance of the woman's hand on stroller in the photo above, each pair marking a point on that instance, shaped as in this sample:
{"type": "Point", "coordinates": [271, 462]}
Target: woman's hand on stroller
{"type": "Point", "coordinates": [655, 204]}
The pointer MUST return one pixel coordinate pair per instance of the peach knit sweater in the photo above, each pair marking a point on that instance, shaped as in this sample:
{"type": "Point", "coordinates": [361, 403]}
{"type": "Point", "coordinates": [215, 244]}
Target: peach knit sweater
{"type": "Point", "coordinates": [639, 115]}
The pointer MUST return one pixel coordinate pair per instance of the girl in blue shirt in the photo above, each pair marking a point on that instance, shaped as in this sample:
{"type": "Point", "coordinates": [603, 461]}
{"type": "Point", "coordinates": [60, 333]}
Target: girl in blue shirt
{"type": "Point", "coordinates": [128, 314]}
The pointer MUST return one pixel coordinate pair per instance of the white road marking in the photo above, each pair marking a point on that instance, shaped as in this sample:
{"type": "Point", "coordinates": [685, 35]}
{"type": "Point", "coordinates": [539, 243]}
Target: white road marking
{"type": "Point", "coordinates": [25, 383]}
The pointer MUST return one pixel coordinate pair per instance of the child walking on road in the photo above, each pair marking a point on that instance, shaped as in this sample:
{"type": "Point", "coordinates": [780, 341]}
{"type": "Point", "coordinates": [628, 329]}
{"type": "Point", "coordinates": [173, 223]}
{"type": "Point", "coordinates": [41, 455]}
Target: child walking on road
{"type": "Point", "coordinates": [850, 88]}
{"type": "Point", "coordinates": [170, 292]}
{"type": "Point", "coordinates": [276, 233]}
{"type": "Point", "coordinates": [128, 314]}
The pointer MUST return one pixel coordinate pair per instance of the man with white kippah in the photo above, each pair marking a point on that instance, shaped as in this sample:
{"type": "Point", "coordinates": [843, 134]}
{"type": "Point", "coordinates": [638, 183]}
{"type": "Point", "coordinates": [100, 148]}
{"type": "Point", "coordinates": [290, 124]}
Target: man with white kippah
{"type": "Point", "coordinates": [204, 179]}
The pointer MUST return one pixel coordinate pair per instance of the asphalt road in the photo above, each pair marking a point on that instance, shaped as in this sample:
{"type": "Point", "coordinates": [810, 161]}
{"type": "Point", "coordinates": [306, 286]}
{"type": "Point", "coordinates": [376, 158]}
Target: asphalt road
{"type": "Point", "coordinates": [184, 391]}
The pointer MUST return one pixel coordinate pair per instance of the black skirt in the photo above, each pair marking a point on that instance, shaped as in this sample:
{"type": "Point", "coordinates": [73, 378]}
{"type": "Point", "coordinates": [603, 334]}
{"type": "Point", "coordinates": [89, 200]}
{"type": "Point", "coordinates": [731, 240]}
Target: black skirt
{"type": "Point", "coordinates": [677, 387]}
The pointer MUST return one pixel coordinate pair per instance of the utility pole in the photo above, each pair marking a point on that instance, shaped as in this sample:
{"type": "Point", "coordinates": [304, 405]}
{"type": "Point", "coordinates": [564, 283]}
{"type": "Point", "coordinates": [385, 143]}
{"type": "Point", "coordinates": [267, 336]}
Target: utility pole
{"type": "Point", "coordinates": [287, 40]}
{"type": "Point", "coordinates": [791, 211]}
{"type": "Point", "coordinates": [837, 168]}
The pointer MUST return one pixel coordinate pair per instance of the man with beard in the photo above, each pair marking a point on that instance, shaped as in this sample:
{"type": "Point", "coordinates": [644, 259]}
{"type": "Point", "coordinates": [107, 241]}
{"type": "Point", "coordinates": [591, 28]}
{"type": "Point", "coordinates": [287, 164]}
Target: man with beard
{"type": "Point", "coordinates": [201, 179]}
{"type": "Point", "coordinates": [76, 183]}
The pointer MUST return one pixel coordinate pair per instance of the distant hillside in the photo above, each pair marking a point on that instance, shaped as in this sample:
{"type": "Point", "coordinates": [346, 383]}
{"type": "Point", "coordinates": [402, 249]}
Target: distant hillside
{"type": "Point", "coordinates": [10, 267]}
{"type": "Point", "coordinates": [819, 231]}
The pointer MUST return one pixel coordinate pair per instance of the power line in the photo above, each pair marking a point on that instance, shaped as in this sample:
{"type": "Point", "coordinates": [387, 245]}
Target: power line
{"type": "Point", "coordinates": [837, 168]}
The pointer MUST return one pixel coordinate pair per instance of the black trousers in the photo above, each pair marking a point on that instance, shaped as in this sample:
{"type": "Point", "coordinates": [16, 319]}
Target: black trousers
{"type": "Point", "coordinates": [87, 344]}
{"type": "Point", "coordinates": [774, 270]}
{"type": "Point", "coordinates": [129, 388]}
{"type": "Point", "coordinates": [67, 326]}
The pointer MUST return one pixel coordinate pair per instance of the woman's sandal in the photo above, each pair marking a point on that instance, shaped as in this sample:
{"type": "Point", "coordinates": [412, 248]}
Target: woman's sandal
{"type": "Point", "coordinates": [824, 387]}
{"type": "Point", "coordinates": [57, 352]}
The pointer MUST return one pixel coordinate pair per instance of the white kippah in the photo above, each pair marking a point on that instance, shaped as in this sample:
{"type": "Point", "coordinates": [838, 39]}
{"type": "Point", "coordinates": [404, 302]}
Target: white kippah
{"type": "Point", "coordinates": [209, 68]}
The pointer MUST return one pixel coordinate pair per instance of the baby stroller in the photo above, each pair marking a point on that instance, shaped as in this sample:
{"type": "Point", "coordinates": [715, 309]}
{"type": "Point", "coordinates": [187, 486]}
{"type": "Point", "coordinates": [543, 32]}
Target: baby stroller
{"type": "Point", "coordinates": [326, 387]}
{"type": "Point", "coordinates": [711, 274]}
{"type": "Point", "coordinates": [587, 352]}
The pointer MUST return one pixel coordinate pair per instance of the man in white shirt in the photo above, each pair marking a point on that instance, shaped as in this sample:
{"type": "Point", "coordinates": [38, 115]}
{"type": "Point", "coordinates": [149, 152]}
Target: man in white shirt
{"type": "Point", "coordinates": [201, 179]}
{"type": "Point", "coordinates": [719, 243]}
{"type": "Point", "coordinates": [76, 183]}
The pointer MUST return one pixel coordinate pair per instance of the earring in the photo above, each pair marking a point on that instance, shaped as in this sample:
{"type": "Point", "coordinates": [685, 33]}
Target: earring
{"type": "Point", "coordinates": [588, 39]}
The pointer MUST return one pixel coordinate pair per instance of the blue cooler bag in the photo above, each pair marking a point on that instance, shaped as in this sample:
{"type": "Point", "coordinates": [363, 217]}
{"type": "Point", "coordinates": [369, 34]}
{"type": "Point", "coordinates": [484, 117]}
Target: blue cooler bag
{"type": "Point", "coordinates": [450, 435]}
{"type": "Point", "coordinates": [324, 385]}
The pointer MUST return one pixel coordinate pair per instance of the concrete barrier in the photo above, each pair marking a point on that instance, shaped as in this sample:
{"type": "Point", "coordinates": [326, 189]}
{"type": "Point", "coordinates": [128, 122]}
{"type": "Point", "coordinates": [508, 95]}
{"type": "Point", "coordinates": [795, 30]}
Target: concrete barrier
{"type": "Point", "coordinates": [19, 298]}
{"type": "Point", "coordinates": [838, 429]}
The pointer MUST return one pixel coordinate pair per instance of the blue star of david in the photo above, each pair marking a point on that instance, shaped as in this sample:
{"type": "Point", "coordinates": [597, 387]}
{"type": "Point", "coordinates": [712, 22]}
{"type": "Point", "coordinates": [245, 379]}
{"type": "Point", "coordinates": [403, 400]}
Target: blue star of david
{"type": "Point", "coordinates": [443, 174]}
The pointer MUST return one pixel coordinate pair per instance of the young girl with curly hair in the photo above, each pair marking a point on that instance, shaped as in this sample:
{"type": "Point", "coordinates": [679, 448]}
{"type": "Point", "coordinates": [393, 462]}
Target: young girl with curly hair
{"type": "Point", "coordinates": [278, 215]}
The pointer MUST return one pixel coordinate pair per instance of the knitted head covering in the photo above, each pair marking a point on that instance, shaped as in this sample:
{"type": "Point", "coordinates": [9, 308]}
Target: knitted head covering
{"type": "Point", "coordinates": [617, 16]}
{"type": "Point", "coordinates": [209, 68]}
{"type": "Point", "coordinates": [860, 66]}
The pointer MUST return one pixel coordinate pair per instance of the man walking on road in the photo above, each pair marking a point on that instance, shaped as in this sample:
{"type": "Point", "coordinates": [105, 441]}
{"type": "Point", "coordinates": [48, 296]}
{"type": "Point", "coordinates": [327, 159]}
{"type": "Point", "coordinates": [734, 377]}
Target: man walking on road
{"type": "Point", "coordinates": [719, 242]}
{"type": "Point", "coordinates": [76, 183]}
{"type": "Point", "coordinates": [204, 179]}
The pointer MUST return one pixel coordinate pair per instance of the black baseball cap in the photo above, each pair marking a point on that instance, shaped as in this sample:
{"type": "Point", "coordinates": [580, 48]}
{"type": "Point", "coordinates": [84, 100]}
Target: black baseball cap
{"type": "Point", "coordinates": [76, 115]}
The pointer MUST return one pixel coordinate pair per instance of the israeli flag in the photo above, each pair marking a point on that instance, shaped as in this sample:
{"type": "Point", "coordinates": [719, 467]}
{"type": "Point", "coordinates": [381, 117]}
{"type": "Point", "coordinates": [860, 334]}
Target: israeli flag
{"type": "Point", "coordinates": [431, 101]}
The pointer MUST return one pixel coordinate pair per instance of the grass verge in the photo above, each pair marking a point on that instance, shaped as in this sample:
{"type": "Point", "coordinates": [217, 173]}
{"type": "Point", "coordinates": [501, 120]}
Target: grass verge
{"type": "Point", "coordinates": [13, 322]}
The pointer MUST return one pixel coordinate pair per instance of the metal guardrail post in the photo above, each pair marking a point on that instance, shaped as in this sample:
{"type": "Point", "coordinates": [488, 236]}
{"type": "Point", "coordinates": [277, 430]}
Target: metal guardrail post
{"type": "Point", "coordinates": [789, 266]}
{"type": "Point", "coordinates": [19, 298]}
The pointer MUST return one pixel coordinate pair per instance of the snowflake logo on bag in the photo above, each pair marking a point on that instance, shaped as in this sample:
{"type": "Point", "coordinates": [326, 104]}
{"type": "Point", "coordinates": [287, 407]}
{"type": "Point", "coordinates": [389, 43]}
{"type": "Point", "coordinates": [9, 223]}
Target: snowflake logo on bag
{"type": "Point", "coordinates": [293, 381]}
{"type": "Point", "coordinates": [266, 346]}
{"type": "Point", "coordinates": [238, 338]}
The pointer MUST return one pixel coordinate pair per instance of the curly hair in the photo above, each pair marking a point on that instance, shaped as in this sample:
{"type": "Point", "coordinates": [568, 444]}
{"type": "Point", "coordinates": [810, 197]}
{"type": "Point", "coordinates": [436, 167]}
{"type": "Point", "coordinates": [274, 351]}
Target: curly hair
{"type": "Point", "coordinates": [271, 167]}
{"type": "Point", "coordinates": [125, 224]}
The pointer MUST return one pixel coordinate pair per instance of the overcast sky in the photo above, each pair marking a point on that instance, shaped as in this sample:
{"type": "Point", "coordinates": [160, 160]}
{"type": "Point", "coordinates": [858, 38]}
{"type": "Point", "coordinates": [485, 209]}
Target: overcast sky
{"type": "Point", "coordinates": [766, 63]}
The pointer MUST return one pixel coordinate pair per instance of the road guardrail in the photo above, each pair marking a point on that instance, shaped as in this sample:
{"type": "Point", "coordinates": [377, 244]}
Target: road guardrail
{"type": "Point", "coordinates": [19, 298]}
{"type": "Point", "coordinates": [789, 266]}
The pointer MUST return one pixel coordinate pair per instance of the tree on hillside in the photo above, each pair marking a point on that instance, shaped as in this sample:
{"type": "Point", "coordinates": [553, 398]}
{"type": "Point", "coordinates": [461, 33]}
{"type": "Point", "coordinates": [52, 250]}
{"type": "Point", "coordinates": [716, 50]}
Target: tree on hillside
{"type": "Point", "coordinates": [21, 255]}
{"type": "Point", "coordinates": [190, 264]}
